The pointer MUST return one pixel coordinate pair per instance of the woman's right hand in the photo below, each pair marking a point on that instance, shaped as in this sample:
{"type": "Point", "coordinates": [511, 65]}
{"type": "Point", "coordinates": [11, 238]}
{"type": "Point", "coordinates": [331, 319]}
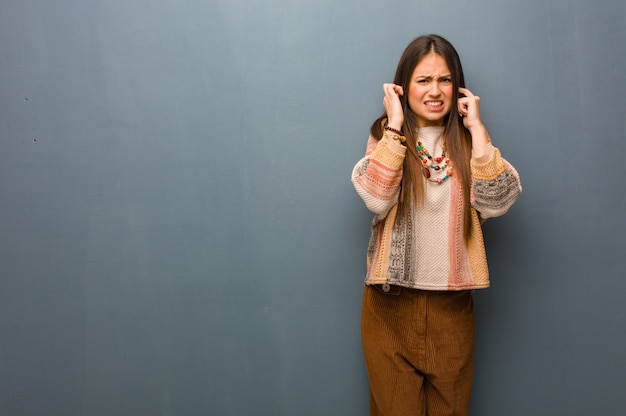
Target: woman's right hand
{"type": "Point", "coordinates": [393, 106]}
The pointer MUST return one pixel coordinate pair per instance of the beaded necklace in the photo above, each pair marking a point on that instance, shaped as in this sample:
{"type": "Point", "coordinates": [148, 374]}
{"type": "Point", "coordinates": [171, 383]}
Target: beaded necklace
{"type": "Point", "coordinates": [429, 163]}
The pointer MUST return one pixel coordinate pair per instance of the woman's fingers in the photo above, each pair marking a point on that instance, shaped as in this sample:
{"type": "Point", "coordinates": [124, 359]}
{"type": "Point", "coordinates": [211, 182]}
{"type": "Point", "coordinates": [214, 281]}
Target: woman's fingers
{"type": "Point", "coordinates": [393, 89]}
{"type": "Point", "coordinates": [393, 106]}
{"type": "Point", "coordinates": [469, 107]}
{"type": "Point", "coordinates": [466, 92]}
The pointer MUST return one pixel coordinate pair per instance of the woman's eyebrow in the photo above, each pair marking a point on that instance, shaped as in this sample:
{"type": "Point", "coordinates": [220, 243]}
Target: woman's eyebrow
{"type": "Point", "coordinates": [435, 76]}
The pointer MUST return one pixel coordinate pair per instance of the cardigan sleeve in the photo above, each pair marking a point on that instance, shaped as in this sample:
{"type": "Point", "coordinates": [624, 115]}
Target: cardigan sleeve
{"type": "Point", "coordinates": [495, 184]}
{"type": "Point", "coordinates": [377, 176]}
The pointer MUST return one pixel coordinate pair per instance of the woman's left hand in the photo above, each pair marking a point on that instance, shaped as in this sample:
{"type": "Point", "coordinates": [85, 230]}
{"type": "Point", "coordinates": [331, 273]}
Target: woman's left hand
{"type": "Point", "coordinates": [469, 109]}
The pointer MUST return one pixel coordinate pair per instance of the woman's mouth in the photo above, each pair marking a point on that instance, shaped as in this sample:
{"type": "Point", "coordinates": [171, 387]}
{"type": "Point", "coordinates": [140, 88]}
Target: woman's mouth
{"type": "Point", "coordinates": [434, 105]}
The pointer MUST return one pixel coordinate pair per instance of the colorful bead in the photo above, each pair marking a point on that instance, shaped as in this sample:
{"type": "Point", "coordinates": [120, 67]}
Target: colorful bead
{"type": "Point", "coordinates": [427, 161]}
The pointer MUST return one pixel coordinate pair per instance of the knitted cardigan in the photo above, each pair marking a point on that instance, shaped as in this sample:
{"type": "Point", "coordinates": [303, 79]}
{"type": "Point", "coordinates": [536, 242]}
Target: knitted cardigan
{"type": "Point", "coordinates": [421, 252]}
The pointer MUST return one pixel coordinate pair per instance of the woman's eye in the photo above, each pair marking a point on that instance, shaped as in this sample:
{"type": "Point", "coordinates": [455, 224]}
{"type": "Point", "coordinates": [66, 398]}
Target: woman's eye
{"type": "Point", "coordinates": [446, 80]}
{"type": "Point", "coordinates": [422, 81]}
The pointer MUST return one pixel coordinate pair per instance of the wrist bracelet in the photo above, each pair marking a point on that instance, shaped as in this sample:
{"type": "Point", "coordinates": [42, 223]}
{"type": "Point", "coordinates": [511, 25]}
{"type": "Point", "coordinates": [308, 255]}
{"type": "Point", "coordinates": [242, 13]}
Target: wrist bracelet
{"type": "Point", "coordinates": [391, 129]}
{"type": "Point", "coordinates": [397, 137]}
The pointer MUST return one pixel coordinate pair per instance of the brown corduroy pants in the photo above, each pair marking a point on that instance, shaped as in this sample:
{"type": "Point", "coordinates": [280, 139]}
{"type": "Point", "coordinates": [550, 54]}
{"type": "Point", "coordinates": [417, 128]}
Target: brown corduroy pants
{"type": "Point", "coordinates": [419, 351]}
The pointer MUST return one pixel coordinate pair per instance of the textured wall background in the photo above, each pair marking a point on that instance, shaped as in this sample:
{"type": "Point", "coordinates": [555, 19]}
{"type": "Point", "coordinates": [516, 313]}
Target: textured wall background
{"type": "Point", "coordinates": [179, 235]}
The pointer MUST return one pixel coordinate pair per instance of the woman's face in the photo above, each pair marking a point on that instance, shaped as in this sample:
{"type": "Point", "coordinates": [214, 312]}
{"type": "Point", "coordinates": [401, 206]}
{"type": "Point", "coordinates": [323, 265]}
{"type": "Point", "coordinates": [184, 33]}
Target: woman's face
{"type": "Point", "coordinates": [430, 90]}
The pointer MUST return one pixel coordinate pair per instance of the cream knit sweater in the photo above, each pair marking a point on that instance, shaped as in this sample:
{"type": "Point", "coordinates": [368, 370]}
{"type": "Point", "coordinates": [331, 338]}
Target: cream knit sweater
{"type": "Point", "coordinates": [428, 251]}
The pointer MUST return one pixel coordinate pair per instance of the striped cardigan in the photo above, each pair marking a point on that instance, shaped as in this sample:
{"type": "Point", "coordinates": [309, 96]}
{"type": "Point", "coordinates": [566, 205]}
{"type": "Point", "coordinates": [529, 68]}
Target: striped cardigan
{"type": "Point", "coordinates": [427, 250]}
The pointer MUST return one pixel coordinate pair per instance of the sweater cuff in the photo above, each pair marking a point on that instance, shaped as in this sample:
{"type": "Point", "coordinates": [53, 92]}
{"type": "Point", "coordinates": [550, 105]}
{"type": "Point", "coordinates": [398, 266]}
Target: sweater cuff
{"type": "Point", "coordinates": [489, 165]}
{"type": "Point", "coordinates": [390, 152]}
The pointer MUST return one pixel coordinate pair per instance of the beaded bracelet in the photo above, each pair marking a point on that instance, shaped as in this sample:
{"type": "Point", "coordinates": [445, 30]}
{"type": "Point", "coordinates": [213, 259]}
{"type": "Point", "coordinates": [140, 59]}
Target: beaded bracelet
{"type": "Point", "coordinates": [391, 129]}
{"type": "Point", "coordinates": [397, 137]}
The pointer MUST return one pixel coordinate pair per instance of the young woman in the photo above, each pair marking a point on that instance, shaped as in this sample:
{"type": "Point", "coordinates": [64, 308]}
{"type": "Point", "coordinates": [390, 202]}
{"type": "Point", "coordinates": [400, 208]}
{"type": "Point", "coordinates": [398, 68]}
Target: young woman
{"type": "Point", "coordinates": [431, 176]}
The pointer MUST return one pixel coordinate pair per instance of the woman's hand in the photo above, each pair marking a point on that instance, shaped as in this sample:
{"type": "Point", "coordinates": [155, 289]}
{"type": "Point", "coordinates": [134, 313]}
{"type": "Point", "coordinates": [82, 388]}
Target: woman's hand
{"type": "Point", "coordinates": [469, 109]}
{"type": "Point", "coordinates": [393, 106]}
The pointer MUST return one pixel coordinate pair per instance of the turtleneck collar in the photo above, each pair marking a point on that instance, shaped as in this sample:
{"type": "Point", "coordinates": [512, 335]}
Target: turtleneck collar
{"type": "Point", "coordinates": [431, 137]}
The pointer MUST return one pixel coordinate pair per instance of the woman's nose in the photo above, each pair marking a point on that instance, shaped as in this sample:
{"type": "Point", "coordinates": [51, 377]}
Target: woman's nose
{"type": "Point", "coordinates": [434, 89]}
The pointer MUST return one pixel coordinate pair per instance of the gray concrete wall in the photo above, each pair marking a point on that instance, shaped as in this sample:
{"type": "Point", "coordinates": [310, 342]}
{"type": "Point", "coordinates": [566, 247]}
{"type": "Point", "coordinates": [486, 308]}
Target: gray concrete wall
{"type": "Point", "coordinates": [179, 235]}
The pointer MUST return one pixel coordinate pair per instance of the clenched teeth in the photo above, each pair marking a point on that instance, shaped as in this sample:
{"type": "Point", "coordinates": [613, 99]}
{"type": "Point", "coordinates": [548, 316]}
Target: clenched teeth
{"type": "Point", "coordinates": [434, 103]}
